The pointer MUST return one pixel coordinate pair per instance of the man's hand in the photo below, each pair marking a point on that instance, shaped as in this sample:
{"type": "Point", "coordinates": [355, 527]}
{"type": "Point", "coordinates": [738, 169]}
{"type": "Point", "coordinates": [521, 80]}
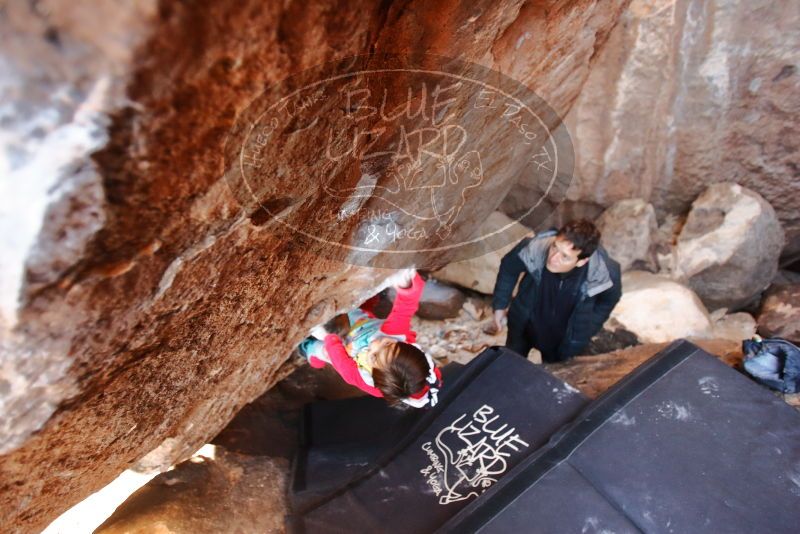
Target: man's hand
{"type": "Point", "coordinates": [500, 320]}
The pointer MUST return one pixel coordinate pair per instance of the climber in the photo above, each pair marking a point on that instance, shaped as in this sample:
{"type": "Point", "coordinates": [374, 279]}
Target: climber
{"type": "Point", "coordinates": [568, 291]}
{"type": "Point", "coordinates": [379, 356]}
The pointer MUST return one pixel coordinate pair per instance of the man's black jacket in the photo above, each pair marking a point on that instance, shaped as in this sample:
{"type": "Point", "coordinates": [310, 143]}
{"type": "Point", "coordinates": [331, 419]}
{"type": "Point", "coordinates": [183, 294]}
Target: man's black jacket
{"type": "Point", "coordinates": [598, 294]}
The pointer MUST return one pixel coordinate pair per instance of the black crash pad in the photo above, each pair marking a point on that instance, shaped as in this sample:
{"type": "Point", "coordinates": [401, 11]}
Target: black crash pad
{"type": "Point", "coordinates": [342, 438]}
{"type": "Point", "coordinates": [683, 444]}
{"type": "Point", "coordinates": [411, 471]}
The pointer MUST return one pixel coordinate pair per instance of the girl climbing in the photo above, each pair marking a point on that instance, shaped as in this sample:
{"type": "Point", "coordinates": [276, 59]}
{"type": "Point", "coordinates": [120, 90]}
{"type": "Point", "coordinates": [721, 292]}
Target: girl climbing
{"type": "Point", "coordinates": [379, 356]}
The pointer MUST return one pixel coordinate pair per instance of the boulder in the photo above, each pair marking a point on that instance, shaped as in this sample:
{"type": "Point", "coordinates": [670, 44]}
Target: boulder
{"type": "Point", "coordinates": [148, 292]}
{"type": "Point", "coordinates": [657, 309]}
{"type": "Point", "coordinates": [733, 326]}
{"type": "Point", "coordinates": [479, 273]}
{"type": "Point", "coordinates": [627, 229]}
{"type": "Point", "coordinates": [227, 493]}
{"type": "Point", "coordinates": [438, 301]}
{"type": "Point", "coordinates": [685, 94]}
{"type": "Point", "coordinates": [728, 249]}
{"type": "Point", "coordinates": [780, 313]}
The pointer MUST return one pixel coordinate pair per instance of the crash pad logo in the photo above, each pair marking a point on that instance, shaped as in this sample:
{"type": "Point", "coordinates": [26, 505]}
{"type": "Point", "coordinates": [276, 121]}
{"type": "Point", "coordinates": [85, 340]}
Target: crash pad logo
{"type": "Point", "coordinates": [469, 455]}
{"type": "Point", "coordinates": [383, 160]}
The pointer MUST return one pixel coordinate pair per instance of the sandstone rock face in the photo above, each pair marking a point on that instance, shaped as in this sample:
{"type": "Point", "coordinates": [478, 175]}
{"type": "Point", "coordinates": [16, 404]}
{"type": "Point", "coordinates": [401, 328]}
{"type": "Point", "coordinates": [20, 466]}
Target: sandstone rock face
{"type": "Point", "coordinates": [59, 76]}
{"type": "Point", "coordinates": [228, 493]}
{"type": "Point", "coordinates": [688, 93]}
{"type": "Point", "coordinates": [627, 229]}
{"type": "Point", "coordinates": [158, 299]}
{"type": "Point", "coordinates": [658, 309]}
{"type": "Point", "coordinates": [780, 313]}
{"type": "Point", "coordinates": [729, 247]}
{"type": "Point", "coordinates": [480, 273]}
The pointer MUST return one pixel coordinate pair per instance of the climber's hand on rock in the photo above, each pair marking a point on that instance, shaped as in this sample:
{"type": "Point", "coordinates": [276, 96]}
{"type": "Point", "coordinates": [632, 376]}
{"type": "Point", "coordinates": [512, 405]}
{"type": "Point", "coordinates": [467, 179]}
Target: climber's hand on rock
{"type": "Point", "coordinates": [319, 332]}
{"type": "Point", "coordinates": [402, 279]}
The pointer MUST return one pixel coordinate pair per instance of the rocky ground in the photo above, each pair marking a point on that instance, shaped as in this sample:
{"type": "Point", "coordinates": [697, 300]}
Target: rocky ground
{"type": "Point", "coordinates": [459, 338]}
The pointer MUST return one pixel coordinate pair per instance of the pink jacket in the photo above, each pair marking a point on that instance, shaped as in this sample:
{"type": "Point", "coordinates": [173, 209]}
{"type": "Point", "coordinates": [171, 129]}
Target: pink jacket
{"type": "Point", "coordinates": [398, 323]}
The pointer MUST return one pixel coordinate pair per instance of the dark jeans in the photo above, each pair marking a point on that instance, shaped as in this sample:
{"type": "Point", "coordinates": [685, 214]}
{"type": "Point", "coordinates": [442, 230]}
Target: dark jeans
{"type": "Point", "coordinates": [522, 337]}
{"type": "Point", "coordinates": [519, 338]}
{"type": "Point", "coordinates": [773, 362]}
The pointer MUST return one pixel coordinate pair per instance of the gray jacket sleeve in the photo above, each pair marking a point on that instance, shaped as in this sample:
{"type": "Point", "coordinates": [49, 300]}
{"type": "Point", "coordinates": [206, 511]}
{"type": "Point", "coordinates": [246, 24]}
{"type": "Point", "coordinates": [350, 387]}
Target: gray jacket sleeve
{"type": "Point", "coordinates": [511, 266]}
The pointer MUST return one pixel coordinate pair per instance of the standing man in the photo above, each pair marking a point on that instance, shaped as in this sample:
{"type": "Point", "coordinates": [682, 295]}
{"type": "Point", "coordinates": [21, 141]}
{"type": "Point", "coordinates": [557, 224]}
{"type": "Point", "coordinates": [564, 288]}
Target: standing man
{"type": "Point", "coordinates": [568, 290]}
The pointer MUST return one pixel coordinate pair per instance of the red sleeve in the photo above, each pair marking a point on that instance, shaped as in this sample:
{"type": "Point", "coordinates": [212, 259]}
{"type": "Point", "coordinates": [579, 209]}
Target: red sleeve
{"type": "Point", "coordinates": [346, 366]}
{"type": "Point", "coordinates": [405, 306]}
{"type": "Point", "coordinates": [316, 363]}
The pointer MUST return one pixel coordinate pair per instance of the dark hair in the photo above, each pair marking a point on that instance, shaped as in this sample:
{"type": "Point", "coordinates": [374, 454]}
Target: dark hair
{"type": "Point", "coordinates": [405, 375]}
{"type": "Point", "coordinates": [583, 235]}
{"type": "Point", "coordinates": [338, 324]}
